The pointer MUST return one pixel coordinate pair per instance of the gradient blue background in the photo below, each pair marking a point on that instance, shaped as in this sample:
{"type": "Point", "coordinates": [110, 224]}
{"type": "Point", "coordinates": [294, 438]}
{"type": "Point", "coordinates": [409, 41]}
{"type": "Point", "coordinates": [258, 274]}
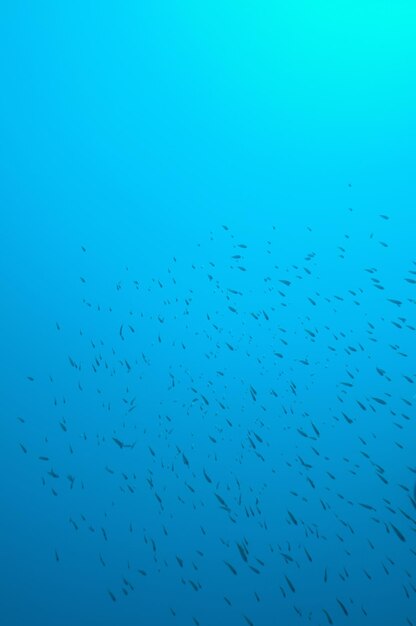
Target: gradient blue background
{"type": "Point", "coordinates": [137, 129]}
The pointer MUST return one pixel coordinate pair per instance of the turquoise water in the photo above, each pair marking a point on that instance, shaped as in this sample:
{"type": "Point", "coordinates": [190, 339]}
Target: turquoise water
{"type": "Point", "coordinates": [208, 279]}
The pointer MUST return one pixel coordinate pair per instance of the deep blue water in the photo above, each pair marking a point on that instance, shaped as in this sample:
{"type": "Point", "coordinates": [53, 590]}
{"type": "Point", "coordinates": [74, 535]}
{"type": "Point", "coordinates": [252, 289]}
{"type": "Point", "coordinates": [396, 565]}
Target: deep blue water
{"type": "Point", "coordinates": [208, 290]}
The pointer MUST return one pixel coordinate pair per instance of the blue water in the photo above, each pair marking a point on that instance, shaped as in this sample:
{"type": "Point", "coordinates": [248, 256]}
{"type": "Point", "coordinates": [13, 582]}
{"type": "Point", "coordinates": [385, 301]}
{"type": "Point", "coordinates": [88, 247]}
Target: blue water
{"type": "Point", "coordinates": [208, 289]}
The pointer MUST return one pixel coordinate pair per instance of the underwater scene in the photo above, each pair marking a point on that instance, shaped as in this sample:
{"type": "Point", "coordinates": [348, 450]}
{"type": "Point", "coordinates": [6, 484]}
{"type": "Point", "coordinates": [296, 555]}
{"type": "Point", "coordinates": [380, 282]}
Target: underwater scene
{"type": "Point", "coordinates": [208, 272]}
